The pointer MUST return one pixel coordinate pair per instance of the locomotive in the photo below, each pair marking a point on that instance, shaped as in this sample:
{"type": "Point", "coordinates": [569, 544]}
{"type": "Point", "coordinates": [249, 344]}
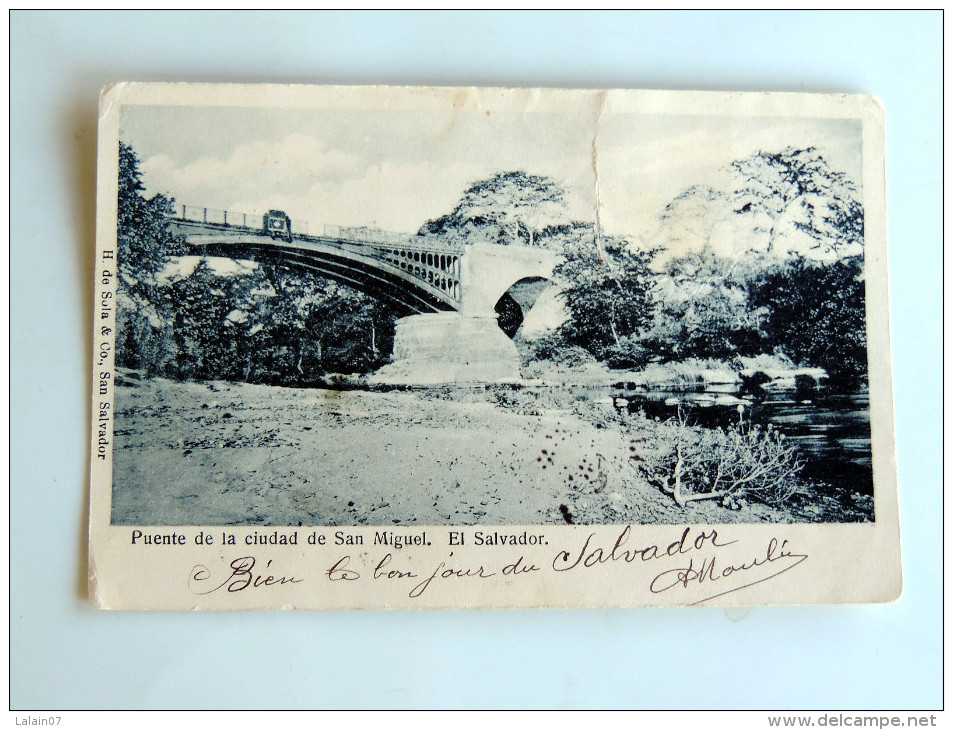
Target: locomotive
{"type": "Point", "coordinates": [277, 224]}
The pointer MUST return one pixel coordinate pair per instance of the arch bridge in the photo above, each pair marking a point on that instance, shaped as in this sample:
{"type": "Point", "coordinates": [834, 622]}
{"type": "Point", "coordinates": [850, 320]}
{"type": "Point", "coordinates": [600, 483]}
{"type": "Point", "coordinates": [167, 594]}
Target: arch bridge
{"type": "Point", "coordinates": [415, 277]}
{"type": "Point", "coordinates": [450, 296]}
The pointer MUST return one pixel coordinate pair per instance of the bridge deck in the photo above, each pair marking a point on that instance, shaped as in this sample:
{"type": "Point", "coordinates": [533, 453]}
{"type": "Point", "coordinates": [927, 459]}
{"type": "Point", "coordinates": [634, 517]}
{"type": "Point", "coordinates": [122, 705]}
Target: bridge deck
{"type": "Point", "coordinates": [417, 276]}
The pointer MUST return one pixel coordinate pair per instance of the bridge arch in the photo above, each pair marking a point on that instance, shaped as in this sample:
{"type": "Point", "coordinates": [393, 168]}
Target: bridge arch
{"type": "Point", "coordinates": [516, 302]}
{"type": "Point", "coordinates": [397, 276]}
{"type": "Point", "coordinates": [490, 271]}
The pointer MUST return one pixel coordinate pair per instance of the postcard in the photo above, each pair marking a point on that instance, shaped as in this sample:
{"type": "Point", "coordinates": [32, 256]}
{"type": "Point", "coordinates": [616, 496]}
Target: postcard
{"type": "Point", "coordinates": [407, 347]}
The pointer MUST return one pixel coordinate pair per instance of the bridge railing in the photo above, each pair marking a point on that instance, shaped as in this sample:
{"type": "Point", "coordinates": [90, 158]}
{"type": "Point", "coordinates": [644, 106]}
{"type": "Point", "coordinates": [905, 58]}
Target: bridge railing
{"type": "Point", "coordinates": [361, 235]}
{"type": "Point", "coordinates": [364, 234]}
{"type": "Point", "coordinates": [216, 216]}
{"type": "Point", "coordinates": [230, 218]}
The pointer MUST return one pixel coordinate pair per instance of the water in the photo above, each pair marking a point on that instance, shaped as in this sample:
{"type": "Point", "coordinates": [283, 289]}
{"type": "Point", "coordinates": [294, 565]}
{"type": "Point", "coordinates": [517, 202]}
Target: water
{"type": "Point", "coordinates": [831, 429]}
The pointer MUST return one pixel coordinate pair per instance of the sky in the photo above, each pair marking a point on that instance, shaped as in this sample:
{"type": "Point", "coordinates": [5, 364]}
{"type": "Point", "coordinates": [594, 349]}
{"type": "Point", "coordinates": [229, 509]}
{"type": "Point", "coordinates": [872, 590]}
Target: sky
{"type": "Point", "coordinates": [395, 168]}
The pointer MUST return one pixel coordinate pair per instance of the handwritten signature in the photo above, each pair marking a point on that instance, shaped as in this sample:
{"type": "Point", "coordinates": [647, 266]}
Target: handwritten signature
{"type": "Point", "coordinates": [242, 576]}
{"type": "Point", "coordinates": [710, 571]}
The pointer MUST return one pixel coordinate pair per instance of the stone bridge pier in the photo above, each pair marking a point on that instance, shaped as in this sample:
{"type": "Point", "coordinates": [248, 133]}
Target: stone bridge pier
{"type": "Point", "coordinates": [470, 345]}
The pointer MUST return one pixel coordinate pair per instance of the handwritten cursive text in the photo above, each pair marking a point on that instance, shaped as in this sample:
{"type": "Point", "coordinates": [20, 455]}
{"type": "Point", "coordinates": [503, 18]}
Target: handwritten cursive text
{"type": "Point", "coordinates": [242, 576]}
{"type": "Point", "coordinates": [590, 557]}
{"type": "Point", "coordinates": [709, 571]}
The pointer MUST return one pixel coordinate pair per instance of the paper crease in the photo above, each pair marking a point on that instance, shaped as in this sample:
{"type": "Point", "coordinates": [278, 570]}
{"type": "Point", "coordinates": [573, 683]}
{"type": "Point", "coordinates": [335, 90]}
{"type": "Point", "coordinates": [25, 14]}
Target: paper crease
{"type": "Point", "coordinates": [603, 100]}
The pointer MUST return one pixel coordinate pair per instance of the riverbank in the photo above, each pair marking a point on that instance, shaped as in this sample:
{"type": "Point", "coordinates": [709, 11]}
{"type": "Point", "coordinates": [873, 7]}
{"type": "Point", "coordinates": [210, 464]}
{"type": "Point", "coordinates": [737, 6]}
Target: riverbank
{"type": "Point", "coordinates": [232, 453]}
{"type": "Point", "coordinates": [764, 371]}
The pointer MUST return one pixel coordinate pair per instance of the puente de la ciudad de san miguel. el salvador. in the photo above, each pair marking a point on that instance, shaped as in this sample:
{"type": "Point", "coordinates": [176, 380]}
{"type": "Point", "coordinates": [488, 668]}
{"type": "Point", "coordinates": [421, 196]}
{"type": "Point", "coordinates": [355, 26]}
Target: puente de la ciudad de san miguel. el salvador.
{"type": "Point", "coordinates": [448, 296]}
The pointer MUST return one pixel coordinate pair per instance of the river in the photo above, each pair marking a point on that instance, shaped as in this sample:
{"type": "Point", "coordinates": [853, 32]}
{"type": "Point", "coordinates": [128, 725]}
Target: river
{"type": "Point", "coordinates": [832, 429]}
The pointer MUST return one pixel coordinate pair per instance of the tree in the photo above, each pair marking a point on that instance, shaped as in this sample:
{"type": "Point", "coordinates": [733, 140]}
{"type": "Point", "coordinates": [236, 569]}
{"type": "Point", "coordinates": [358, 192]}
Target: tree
{"type": "Point", "coordinates": [145, 238]}
{"type": "Point", "coordinates": [693, 215]}
{"type": "Point", "coordinates": [505, 209]}
{"type": "Point", "coordinates": [292, 352]}
{"type": "Point", "coordinates": [269, 324]}
{"type": "Point", "coordinates": [704, 308]}
{"type": "Point", "coordinates": [352, 331]}
{"type": "Point", "coordinates": [218, 324]}
{"type": "Point", "coordinates": [144, 241]}
{"type": "Point", "coordinates": [797, 190]}
{"type": "Point", "coordinates": [817, 315]}
{"type": "Point", "coordinates": [607, 288]}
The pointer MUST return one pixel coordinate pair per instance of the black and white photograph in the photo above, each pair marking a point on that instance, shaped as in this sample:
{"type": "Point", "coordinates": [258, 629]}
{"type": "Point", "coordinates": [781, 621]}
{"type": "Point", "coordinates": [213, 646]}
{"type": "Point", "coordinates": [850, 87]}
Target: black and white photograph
{"type": "Point", "coordinates": [488, 307]}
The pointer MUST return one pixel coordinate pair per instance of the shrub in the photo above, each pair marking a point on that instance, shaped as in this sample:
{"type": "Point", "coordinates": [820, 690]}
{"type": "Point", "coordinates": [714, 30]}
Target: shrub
{"type": "Point", "coordinates": [696, 463]}
{"type": "Point", "coordinates": [629, 353]}
{"type": "Point", "coordinates": [553, 348]}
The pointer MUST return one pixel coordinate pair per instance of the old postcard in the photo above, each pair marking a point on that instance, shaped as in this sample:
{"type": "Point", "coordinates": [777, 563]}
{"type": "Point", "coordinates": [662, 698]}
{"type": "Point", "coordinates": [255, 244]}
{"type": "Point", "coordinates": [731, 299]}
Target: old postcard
{"type": "Point", "coordinates": [376, 347]}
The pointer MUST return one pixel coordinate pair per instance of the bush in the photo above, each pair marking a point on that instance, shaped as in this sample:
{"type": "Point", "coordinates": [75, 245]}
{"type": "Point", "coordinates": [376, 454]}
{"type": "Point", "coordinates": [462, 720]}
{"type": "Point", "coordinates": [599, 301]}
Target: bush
{"type": "Point", "coordinates": [630, 353]}
{"type": "Point", "coordinates": [695, 463]}
{"type": "Point", "coordinates": [765, 363]}
{"type": "Point", "coordinates": [553, 348]}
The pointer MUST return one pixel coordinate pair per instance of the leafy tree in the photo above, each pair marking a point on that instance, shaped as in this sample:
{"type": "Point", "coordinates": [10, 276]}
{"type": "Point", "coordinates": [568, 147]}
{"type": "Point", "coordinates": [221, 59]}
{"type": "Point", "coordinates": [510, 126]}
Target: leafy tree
{"type": "Point", "coordinates": [274, 325]}
{"type": "Point", "coordinates": [693, 214]}
{"type": "Point", "coordinates": [704, 309]}
{"type": "Point", "coordinates": [607, 289]}
{"type": "Point", "coordinates": [504, 209]}
{"type": "Point", "coordinates": [351, 331]}
{"type": "Point", "coordinates": [817, 315]}
{"type": "Point", "coordinates": [298, 324]}
{"type": "Point", "coordinates": [143, 225]}
{"type": "Point", "coordinates": [217, 323]}
{"type": "Point", "coordinates": [796, 189]}
{"type": "Point", "coordinates": [144, 241]}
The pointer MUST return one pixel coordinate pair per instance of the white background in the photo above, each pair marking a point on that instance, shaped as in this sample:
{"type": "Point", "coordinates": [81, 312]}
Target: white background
{"type": "Point", "coordinates": [67, 655]}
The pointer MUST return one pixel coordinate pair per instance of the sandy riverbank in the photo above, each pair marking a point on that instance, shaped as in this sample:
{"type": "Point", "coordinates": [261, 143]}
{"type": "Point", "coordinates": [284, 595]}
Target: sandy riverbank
{"type": "Point", "coordinates": [229, 453]}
